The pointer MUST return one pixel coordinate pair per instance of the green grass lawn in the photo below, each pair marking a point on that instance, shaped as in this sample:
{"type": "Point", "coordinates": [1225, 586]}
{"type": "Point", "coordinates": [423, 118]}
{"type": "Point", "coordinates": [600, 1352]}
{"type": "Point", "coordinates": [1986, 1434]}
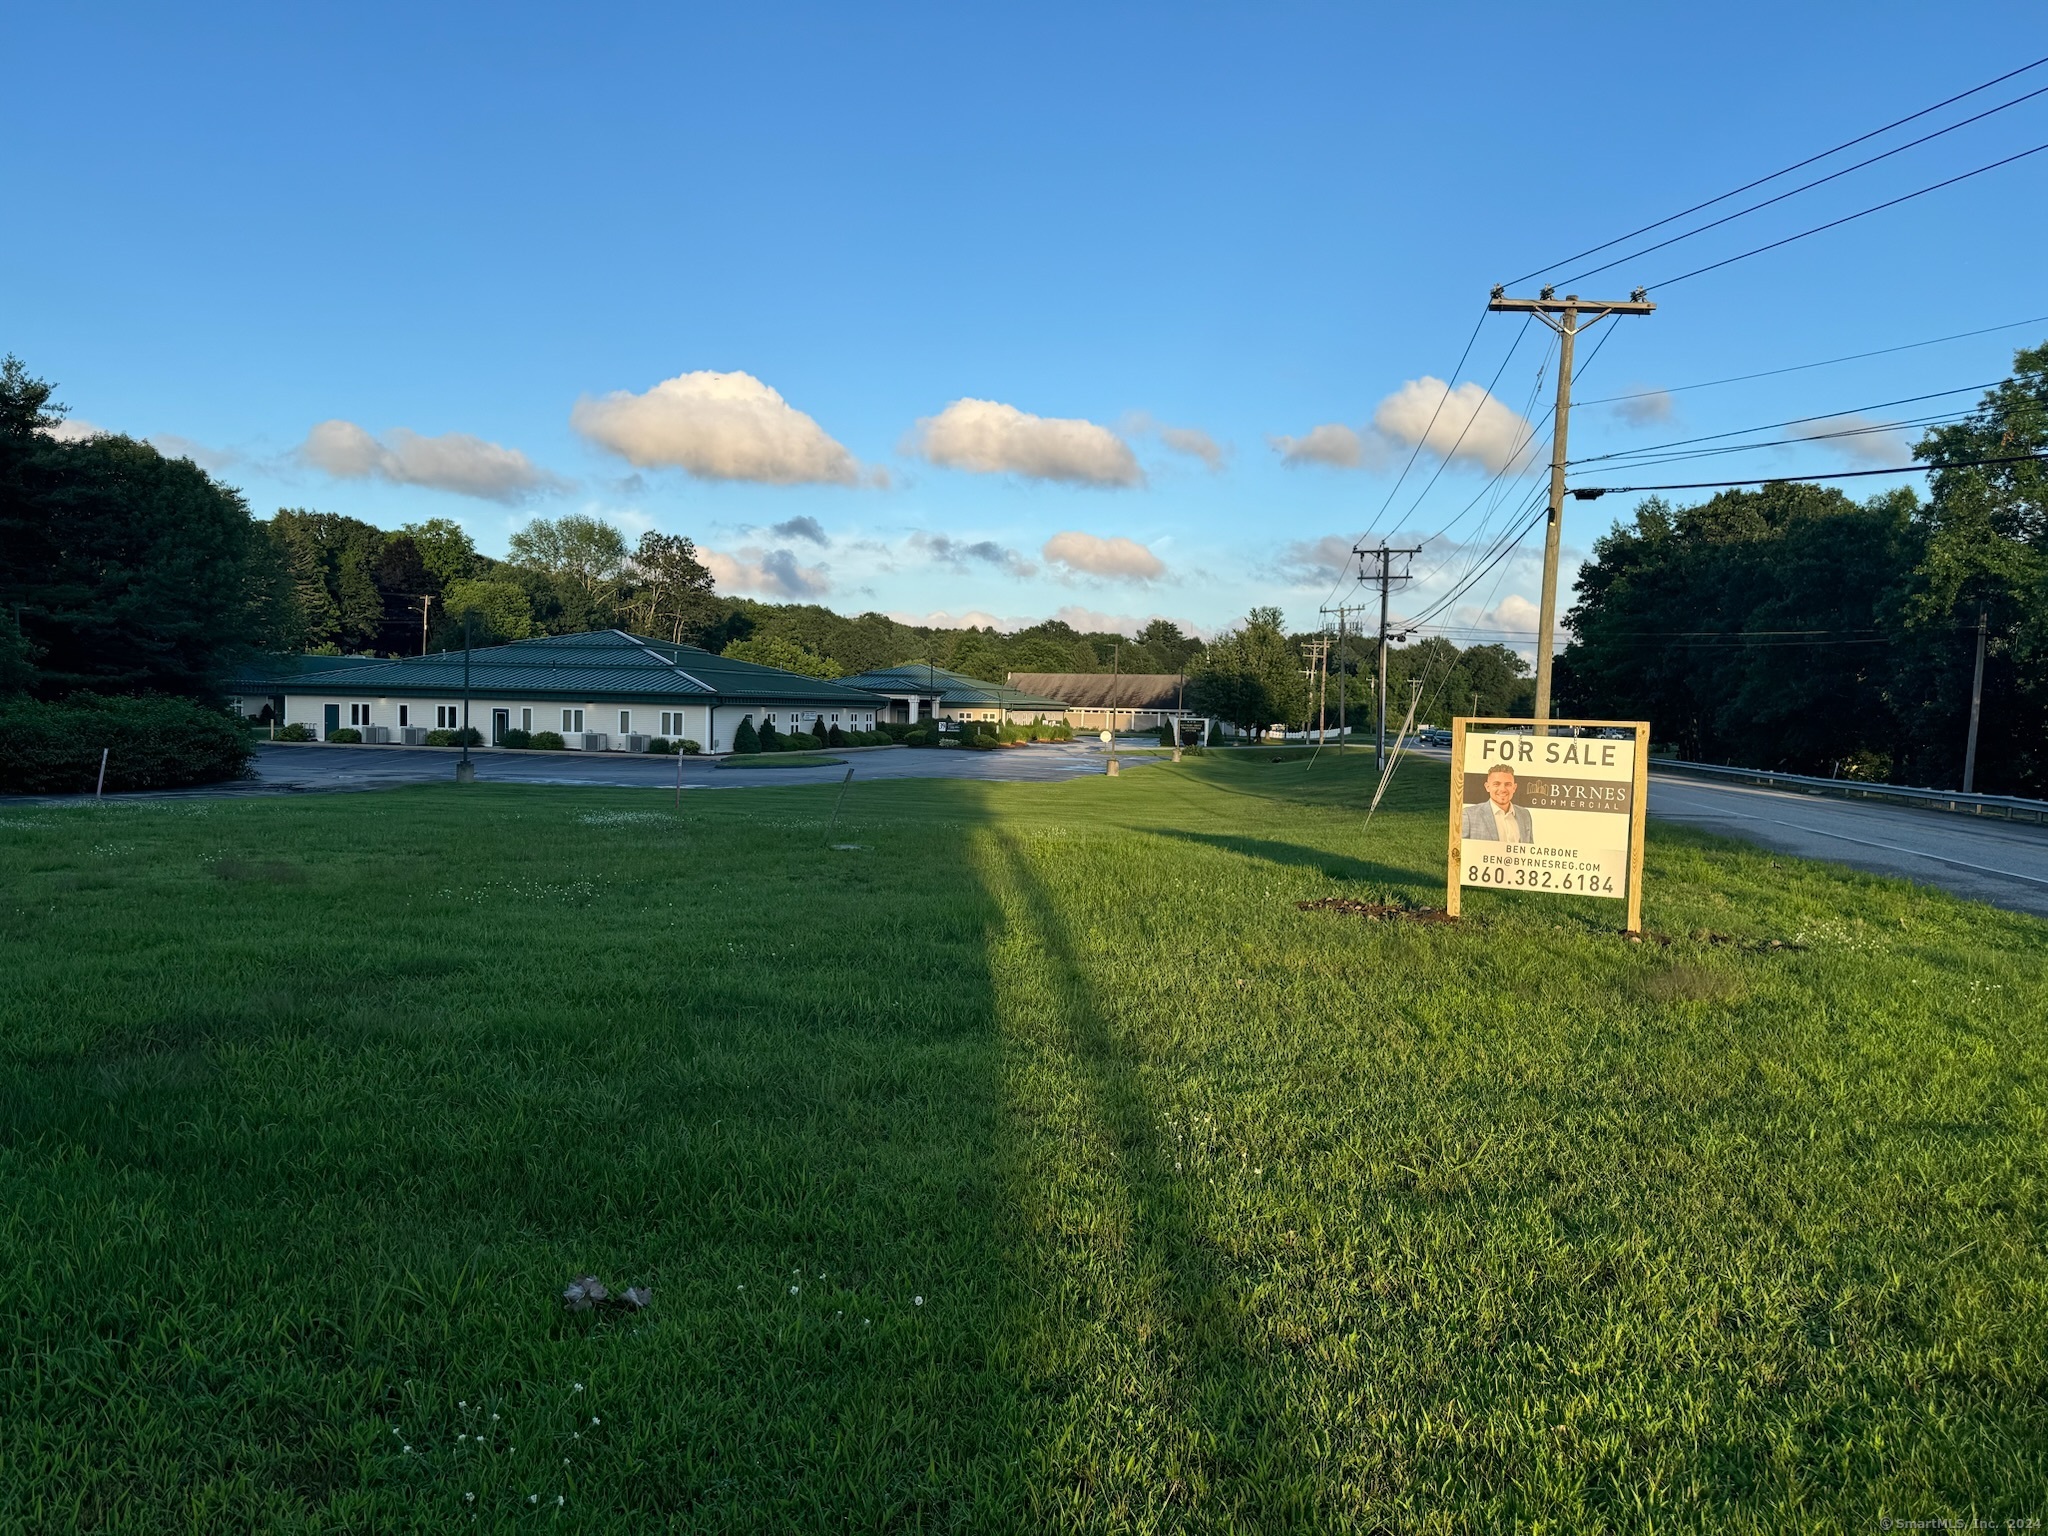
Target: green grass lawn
{"type": "Point", "coordinates": [1035, 1164]}
{"type": "Point", "coordinates": [779, 760]}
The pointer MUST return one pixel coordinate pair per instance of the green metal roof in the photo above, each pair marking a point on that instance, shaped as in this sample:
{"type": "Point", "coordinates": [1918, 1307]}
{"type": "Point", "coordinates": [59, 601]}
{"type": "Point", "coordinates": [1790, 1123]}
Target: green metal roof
{"type": "Point", "coordinates": [955, 690]}
{"type": "Point", "coordinates": [276, 674]}
{"type": "Point", "coordinates": [605, 664]}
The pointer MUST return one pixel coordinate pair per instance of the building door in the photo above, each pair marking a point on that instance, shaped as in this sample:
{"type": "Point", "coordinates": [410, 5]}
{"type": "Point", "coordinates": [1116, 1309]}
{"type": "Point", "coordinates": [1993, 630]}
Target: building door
{"type": "Point", "coordinates": [501, 722]}
{"type": "Point", "coordinates": [333, 722]}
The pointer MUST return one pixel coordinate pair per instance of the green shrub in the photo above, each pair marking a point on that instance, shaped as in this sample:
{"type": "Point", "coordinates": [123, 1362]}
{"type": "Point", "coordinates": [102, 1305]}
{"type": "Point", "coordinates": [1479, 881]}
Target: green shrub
{"type": "Point", "coordinates": [920, 737]}
{"type": "Point", "coordinates": [690, 748]}
{"type": "Point", "coordinates": [440, 738]}
{"type": "Point", "coordinates": [1166, 734]}
{"type": "Point", "coordinates": [659, 746]}
{"type": "Point", "coordinates": [746, 738]}
{"type": "Point", "coordinates": [548, 741]}
{"type": "Point", "coordinates": [770, 738]}
{"type": "Point", "coordinates": [346, 735]}
{"type": "Point", "coordinates": [54, 748]}
{"type": "Point", "coordinates": [835, 737]}
{"type": "Point", "coordinates": [980, 743]}
{"type": "Point", "coordinates": [819, 731]}
{"type": "Point", "coordinates": [470, 734]}
{"type": "Point", "coordinates": [298, 730]}
{"type": "Point", "coordinates": [516, 738]}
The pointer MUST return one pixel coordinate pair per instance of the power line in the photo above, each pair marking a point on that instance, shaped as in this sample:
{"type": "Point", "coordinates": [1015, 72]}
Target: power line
{"type": "Point", "coordinates": [1821, 181]}
{"type": "Point", "coordinates": [1591, 492]}
{"type": "Point", "coordinates": [1869, 430]}
{"type": "Point", "coordinates": [1772, 426]}
{"type": "Point", "coordinates": [1848, 218]}
{"type": "Point", "coordinates": [1798, 165]}
{"type": "Point", "coordinates": [1827, 362]}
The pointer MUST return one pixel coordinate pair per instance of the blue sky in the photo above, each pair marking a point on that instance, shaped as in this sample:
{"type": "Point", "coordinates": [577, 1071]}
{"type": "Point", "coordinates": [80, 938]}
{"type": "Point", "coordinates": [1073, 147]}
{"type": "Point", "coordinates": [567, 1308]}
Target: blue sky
{"type": "Point", "coordinates": [1156, 245]}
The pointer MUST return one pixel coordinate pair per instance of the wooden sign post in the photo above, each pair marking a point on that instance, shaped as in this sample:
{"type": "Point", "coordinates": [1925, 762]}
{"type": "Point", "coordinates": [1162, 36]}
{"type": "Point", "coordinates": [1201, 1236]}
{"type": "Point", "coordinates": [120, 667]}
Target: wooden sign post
{"type": "Point", "coordinates": [1556, 813]}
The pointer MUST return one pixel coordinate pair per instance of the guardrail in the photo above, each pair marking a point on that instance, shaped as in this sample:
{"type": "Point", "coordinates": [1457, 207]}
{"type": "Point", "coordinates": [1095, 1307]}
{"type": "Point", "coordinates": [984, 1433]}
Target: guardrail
{"type": "Point", "coordinates": [2008, 807]}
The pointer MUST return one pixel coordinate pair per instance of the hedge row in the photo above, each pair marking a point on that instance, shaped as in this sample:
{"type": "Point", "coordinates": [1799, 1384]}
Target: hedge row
{"type": "Point", "coordinates": [54, 748]}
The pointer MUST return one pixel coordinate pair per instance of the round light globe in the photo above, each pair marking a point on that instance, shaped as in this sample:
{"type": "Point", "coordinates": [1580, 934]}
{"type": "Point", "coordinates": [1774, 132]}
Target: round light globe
{"type": "Point", "coordinates": [1109, 736]}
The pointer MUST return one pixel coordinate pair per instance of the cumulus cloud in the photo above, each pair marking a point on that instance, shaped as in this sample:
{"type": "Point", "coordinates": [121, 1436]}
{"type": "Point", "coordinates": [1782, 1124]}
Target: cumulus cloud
{"type": "Point", "coordinates": [1463, 424]}
{"type": "Point", "coordinates": [801, 528]}
{"type": "Point", "coordinates": [1117, 559]}
{"type": "Point", "coordinates": [973, 618]}
{"type": "Point", "coordinates": [1647, 408]}
{"type": "Point", "coordinates": [717, 426]}
{"type": "Point", "coordinates": [960, 554]}
{"type": "Point", "coordinates": [1332, 444]}
{"type": "Point", "coordinates": [1859, 438]}
{"type": "Point", "coordinates": [1094, 621]}
{"type": "Point", "coordinates": [454, 461]}
{"type": "Point", "coordinates": [771, 572]}
{"type": "Point", "coordinates": [990, 438]}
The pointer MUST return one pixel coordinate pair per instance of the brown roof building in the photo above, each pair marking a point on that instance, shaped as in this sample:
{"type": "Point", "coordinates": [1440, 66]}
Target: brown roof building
{"type": "Point", "coordinates": [1128, 701]}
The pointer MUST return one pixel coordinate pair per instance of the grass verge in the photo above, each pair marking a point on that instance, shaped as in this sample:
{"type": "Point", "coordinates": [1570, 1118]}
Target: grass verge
{"type": "Point", "coordinates": [1036, 1163]}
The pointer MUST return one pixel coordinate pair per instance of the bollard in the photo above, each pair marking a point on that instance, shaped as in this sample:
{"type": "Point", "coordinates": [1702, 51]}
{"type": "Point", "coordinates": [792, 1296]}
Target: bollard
{"type": "Point", "coordinates": [465, 773]}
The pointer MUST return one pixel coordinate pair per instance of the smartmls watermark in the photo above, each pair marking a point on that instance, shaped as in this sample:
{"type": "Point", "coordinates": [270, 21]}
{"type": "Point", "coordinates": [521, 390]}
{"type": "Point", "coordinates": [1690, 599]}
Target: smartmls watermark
{"type": "Point", "coordinates": [1961, 1523]}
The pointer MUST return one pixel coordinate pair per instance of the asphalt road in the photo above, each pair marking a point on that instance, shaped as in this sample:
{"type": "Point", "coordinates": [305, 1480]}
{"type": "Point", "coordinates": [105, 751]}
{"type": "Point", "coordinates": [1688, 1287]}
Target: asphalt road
{"type": "Point", "coordinates": [283, 768]}
{"type": "Point", "coordinates": [2004, 863]}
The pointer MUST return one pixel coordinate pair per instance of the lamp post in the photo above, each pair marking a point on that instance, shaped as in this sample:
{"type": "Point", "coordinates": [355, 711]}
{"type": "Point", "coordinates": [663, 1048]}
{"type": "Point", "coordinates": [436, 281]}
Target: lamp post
{"type": "Point", "coordinates": [465, 770]}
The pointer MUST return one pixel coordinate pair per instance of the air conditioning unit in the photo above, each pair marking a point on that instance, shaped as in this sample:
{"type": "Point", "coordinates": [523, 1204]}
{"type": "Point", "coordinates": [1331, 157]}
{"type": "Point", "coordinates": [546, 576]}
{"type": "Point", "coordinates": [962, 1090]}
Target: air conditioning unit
{"type": "Point", "coordinates": [412, 735]}
{"type": "Point", "coordinates": [630, 742]}
{"type": "Point", "coordinates": [586, 741]}
{"type": "Point", "coordinates": [380, 734]}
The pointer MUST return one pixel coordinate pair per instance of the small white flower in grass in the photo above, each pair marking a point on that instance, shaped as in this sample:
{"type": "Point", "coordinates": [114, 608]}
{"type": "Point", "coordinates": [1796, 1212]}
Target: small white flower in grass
{"type": "Point", "coordinates": [494, 1418]}
{"type": "Point", "coordinates": [579, 1386]}
{"type": "Point", "coordinates": [793, 1290]}
{"type": "Point", "coordinates": [575, 1434]}
{"type": "Point", "coordinates": [594, 1419]}
{"type": "Point", "coordinates": [560, 1501]}
{"type": "Point", "coordinates": [463, 1403]}
{"type": "Point", "coordinates": [469, 1498]}
{"type": "Point", "coordinates": [408, 1450]}
{"type": "Point", "coordinates": [533, 1498]}
{"type": "Point", "coordinates": [917, 1301]}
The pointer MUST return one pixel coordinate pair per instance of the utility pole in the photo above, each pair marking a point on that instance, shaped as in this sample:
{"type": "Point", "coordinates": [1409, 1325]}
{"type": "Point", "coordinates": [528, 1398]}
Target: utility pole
{"type": "Point", "coordinates": [1976, 706]}
{"type": "Point", "coordinates": [1384, 575]}
{"type": "Point", "coordinates": [1573, 316]}
{"type": "Point", "coordinates": [1315, 655]}
{"type": "Point", "coordinates": [1343, 612]}
{"type": "Point", "coordinates": [426, 603]}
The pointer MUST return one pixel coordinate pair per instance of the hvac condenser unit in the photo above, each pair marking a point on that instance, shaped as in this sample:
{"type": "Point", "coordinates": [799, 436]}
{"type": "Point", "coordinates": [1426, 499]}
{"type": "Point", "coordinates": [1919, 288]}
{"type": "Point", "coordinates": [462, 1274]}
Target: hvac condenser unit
{"type": "Point", "coordinates": [629, 742]}
{"type": "Point", "coordinates": [379, 734]}
{"type": "Point", "coordinates": [586, 741]}
{"type": "Point", "coordinates": [412, 735]}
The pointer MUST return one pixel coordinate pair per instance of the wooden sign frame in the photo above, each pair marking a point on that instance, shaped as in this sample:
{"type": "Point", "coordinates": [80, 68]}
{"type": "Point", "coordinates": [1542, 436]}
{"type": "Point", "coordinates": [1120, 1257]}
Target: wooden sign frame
{"type": "Point", "coordinates": [1639, 801]}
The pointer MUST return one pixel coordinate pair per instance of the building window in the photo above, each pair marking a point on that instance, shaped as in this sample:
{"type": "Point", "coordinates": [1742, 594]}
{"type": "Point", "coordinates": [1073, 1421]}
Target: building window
{"type": "Point", "coordinates": [672, 722]}
{"type": "Point", "coordinates": [526, 720]}
{"type": "Point", "coordinates": [572, 721]}
{"type": "Point", "coordinates": [446, 717]}
{"type": "Point", "coordinates": [359, 714]}
{"type": "Point", "coordinates": [405, 714]}
{"type": "Point", "coordinates": [625, 722]}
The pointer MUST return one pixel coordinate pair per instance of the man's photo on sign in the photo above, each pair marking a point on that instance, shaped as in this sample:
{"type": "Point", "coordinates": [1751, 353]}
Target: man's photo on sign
{"type": "Point", "coordinates": [1497, 819]}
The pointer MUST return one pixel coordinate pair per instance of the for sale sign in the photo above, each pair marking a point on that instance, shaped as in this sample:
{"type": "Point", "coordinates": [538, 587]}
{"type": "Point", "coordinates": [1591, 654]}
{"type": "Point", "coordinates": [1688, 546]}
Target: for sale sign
{"type": "Point", "coordinates": [1560, 811]}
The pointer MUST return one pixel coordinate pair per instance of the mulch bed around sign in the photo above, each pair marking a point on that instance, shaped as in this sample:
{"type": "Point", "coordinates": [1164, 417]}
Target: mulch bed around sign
{"type": "Point", "coordinates": [1375, 911]}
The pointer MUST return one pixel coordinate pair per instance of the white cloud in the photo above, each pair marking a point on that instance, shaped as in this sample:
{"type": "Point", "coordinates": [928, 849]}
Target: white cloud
{"type": "Point", "coordinates": [1331, 443]}
{"type": "Point", "coordinates": [1094, 621]}
{"type": "Point", "coordinates": [1118, 559]}
{"type": "Point", "coordinates": [1461, 423]}
{"type": "Point", "coordinates": [960, 554]}
{"type": "Point", "coordinates": [717, 426]}
{"type": "Point", "coordinates": [74, 429]}
{"type": "Point", "coordinates": [172, 446]}
{"type": "Point", "coordinates": [1647, 408]}
{"type": "Point", "coordinates": [990, 438]}
{"type": "Point", "coordinates": [1867, 441]}
{"type": "Point", "coordinates": [770, 573]}
{"type": "Point", "coordinates": [973, 618]}
{"type": "Point", "coordinates": [454, 461]}
{"type": "Point", "coordinates": [1514, 614]}
{"type": "Point", "coordinates": [1465, 424]}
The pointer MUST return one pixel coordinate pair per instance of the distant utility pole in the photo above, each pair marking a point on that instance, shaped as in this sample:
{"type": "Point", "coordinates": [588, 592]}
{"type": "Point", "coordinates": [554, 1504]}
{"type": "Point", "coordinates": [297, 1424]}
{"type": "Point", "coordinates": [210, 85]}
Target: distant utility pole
{"type": "Point", "coordinates": [426, 602]}
{"type": "Point", "coordinates": [1316, 656]}
{"type": "Point", "coordinates": [1573, 316]}
{"type": "Point", "coordinates": [1343, 612]}
{"type": "Point", "coordinates": [1976, 706]}
{"type": "Point", "coordinates": [1384, 574]}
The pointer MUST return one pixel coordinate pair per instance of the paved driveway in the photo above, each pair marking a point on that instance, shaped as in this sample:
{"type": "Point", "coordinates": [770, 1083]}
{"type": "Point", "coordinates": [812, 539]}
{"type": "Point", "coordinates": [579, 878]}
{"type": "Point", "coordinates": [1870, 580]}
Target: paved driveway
{"type": "Point", "coordinates": [2004, 863]}
{"type": "Point", "coordinates": [287, 768]}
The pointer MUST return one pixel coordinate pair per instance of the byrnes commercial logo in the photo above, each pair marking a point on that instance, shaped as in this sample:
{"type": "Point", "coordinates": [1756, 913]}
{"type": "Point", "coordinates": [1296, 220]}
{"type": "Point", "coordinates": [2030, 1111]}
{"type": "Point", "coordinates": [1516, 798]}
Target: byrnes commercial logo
{"type": "Point", "coordinates": [1547, 813]}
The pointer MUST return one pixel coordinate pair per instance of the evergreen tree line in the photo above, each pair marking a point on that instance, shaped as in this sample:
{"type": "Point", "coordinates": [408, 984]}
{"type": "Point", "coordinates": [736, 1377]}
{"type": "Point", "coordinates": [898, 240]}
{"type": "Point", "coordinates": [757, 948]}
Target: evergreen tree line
{"type": "Point", "coordinates": [1793, 627]}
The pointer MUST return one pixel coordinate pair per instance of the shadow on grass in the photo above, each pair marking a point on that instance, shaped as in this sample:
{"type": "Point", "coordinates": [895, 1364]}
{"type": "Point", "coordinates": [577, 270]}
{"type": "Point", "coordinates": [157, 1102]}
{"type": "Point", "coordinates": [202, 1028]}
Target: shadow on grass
{"type": "Point", "coordinates": [1168, 1414]}
{"type": "Point", "coordinates": [1337, 866]}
